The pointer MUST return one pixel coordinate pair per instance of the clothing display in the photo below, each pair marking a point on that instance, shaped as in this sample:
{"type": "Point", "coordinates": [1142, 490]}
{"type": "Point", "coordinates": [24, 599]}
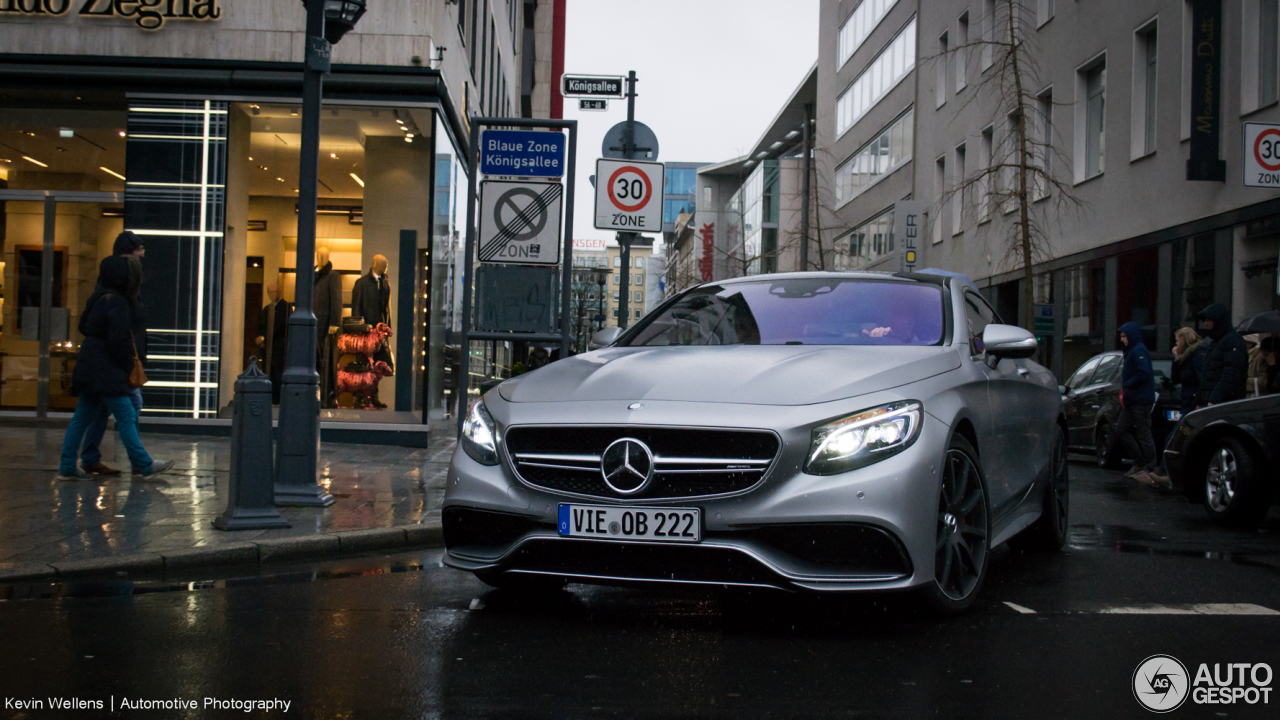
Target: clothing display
{"type": "Point", "coordinates": [327, 300]}
{"type": "Point", "coordinates": [371, 299]}
{"type": "Point", "coordinates": [273, 327]}
{"type": "Point", "coordinates": [361, 368]}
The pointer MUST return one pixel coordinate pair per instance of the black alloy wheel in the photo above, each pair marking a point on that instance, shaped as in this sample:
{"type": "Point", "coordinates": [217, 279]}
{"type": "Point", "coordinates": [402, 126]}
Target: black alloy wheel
{"type": "Point", "coordinates": [1232, 492]}
{"type": "Point", "coordinates": [963, 542]}
{"type": "Point", "coordinates": [1049, 533]}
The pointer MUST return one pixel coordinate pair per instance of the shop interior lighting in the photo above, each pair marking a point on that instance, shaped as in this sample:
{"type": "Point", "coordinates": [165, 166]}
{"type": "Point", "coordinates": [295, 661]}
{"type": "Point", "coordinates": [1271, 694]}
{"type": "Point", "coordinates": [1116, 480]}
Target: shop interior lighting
{"type": "Point", "coordinates": [333, 155]}
{"type": "Point", "coordinates": [279, 179]}
{"type": "Point", "coordinates": [399, 121]}
{"type": "Point", "coordinates": [357, 179]}
{"type": "Point", "coordinates": [66, 132]}
{"type": "Point", "coordinates": [123, 134]}
{"type": "Point", "coordinates": [111, 172]}
{"type": "Point", "coordinates": [408, 138]}
{"type": "Point", "coordinates": [34, 161]}
{"type": "Point", "coordinates": [293, 112]}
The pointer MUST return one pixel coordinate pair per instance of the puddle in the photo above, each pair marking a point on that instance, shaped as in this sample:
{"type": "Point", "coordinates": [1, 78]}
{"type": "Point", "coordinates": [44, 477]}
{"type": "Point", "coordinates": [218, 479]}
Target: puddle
{"type": "Point", "coordinates": [98, 588]}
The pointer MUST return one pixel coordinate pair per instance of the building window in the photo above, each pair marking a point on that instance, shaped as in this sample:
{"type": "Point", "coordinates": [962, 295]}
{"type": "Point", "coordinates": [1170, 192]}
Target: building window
{"type": "Point", "coordinates": [988, 31]}
{"type": "Point", "coordinates": [881, 76]}
{"type": "Point", "coordinates": [462, 19]}
{"type": "Point", "coordinates": [939, 187]}
{"type": "Point", "coordinates": [985, 158]}
{"type": "Point", "coordinates": [962, 53]}
{"type": "Point", "coordinates": [940, 83]}
{"type": "Point", "coordinates": [617, 279]}
{"type": "Point", "coordinates": [1045, 152]}
{"type": "Point", "coordinates": [617, 261]}
{"type": "Point", "coordinates": [1268, 51]}
{"type": "Point", "coordinates": [887, 152]}
{"type": "Point", "coordinates": [639, 278]}
{"type": "Point", "coordinates": [869, 241]}
{"type": "Point", "coordinates": [1091, 106]}
{"type": "Point", "coordinates": [615, 313]}
{"type": "Point", "coordinates": [1044, 11]}
{"type": "Point", "coordinates": [706, 197]}
{"type": "Point", "coordinates": [861, 22]}
{"type": "Point", "coordinates": [957, 184]}
{"type": "Point", "coordinates": [617, 294]}
{"type": "Point", "coordinates": [1143, 125]}
{"type": "Point", "coordinates": [637, 313]}
{"type": "Point", "coordinates": [639, 262]}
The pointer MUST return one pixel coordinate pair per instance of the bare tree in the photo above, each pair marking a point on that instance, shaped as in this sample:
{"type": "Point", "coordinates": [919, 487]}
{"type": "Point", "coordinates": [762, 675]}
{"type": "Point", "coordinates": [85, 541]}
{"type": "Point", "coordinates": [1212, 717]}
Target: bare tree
{"type": "Point", "coordinates": [1021, 179]}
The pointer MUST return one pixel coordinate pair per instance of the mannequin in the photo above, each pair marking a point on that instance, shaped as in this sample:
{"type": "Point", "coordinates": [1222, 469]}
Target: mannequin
{"type": "Point", "coordinates": [371, 301]}
{"type": "Point", "coordinates": [328, 308]}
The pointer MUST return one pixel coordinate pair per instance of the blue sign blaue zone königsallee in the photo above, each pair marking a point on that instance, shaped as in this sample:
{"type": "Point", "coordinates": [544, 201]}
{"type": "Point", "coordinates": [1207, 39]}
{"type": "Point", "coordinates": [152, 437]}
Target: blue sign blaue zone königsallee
{"type": "Point", "coordinates": [522, 153]}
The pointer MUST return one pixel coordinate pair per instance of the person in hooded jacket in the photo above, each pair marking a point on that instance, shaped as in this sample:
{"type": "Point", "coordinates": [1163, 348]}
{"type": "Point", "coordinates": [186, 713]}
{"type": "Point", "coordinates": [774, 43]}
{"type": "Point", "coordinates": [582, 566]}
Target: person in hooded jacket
{"type": "Point", "coordinates": [1226, 366]}
{"type": "Point", "coordinates": [103, 366]}
{"type": "Point", "coordinates": [1137, 396]}
{"type": "Point", "coordinates": [127, 244]}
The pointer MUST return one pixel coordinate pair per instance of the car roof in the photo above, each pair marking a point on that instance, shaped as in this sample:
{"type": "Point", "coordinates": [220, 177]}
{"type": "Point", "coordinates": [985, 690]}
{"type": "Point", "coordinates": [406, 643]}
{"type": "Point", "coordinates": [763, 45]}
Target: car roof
{"type": "Point", "coordinates": [835, 275]}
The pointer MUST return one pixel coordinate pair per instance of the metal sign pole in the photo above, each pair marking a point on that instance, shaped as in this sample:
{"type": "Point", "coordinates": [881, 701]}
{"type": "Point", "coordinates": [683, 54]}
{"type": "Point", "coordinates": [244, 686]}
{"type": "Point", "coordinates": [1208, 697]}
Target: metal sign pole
{"type": "Point", "coordinates": [468, 276]}
{"type": "Point", "coordinates": [566, 268]}
{"type": "Point", "coordinates": [625, 238]}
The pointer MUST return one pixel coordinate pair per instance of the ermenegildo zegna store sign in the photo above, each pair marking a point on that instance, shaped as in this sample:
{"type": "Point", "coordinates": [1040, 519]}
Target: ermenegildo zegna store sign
{"type": "Point", "coordinates": [148, 14]}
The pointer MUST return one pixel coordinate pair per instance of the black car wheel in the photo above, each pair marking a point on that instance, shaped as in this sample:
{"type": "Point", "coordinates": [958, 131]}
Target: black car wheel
{"type": "Point", "coordinates": [1104, 450]}
{"type": "Point", "coordinates": [1233, 492]}
{"type": "Point", "coordinates": [960, 559]}
{"type": "Point", "coordinates": [1049, 533]}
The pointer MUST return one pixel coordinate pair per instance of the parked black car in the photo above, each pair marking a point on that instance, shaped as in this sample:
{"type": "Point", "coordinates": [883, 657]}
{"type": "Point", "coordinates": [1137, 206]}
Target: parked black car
{"type": "Point", "coordinates": [1091, 400]}
{"type": "Point", "coordinates": [1226, 457]}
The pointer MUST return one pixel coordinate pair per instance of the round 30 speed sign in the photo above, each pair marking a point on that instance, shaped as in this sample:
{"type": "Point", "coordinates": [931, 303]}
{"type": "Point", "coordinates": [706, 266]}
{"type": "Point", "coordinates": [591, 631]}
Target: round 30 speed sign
{"type": "Point", "coordinates": [629, 195]}
{"type": "Point", "coordinates": [1261, 155]}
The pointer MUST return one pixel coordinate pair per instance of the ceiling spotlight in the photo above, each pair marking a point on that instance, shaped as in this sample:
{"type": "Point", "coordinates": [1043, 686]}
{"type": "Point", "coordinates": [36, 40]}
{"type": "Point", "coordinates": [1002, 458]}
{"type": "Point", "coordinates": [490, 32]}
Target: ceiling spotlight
{"type": "Point", "coordinates": [408, 138]}
{"type": "Point", "coordinates": [250, 159]}
{"type": "Point", "coordinates": [262, 167]}
{"type": "Point", "coordinates": [123, 133]}
{"type": "Point", "coordinates": [111, 172]}
{"type": "Point", "coordinates": [333, 155]}
{"type": "Point", "coordinates": [34, 161]}
{"type": "Point", "coordinates": [5, 160]}
{"type": "Point", "coordinates": [279, 179]}
{"type": "Point", "coordinates": [27, 132]}
{"type": "Point", "coordinates": [399, 121]}
{"type": "Point", "coordinates": [357, 179]}
{"type": "Point", "coordinates": [293, 112]}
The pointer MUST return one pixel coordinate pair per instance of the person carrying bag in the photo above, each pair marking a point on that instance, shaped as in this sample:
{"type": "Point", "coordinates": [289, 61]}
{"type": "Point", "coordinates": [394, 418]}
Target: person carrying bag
{"type": "Point", "coordinates": [107, 368]}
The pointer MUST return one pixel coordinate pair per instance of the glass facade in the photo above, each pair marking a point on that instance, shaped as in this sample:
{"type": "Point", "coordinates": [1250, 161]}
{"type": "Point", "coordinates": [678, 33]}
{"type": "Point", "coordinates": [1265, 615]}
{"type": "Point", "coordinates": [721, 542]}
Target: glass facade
{"type": "Point", "coordinates": [890, 67]}
{"type": "Point", "coordinates": [861, 22]}
{"type": "Point", "coordinates": [752, 218]}
{"type": "Point", "coordinates": [884, 154]}
{"type": "Point", "coordinates": [869, 241]}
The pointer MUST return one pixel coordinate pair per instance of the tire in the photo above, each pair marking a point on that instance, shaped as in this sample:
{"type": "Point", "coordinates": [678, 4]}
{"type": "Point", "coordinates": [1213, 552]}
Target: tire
{"type": "Point", "coordinates": [1232, 487]}
{"type": "Point", "coordinates": [963, 533]}
{"type": "Point", "coordinates": [538, 584]}
{"type": "Point", "coordinates": [1049, 533]}
{"type": "Point", "coordinates": [1104, 448]}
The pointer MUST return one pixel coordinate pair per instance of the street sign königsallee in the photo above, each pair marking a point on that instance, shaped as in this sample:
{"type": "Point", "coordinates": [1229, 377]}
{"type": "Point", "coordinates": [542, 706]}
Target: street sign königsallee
{"type": "Point", "coordinates": [522, 153]}
{"type": "Point", "coordinates": [604, 86]}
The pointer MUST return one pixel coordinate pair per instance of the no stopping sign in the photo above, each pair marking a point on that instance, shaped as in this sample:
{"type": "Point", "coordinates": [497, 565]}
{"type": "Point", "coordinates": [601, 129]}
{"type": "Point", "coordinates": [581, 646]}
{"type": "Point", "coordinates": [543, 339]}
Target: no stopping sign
{"type": "Point", "coordinates": [1261, 155]}
{"type": "Point", "coordinates": [629, 195]}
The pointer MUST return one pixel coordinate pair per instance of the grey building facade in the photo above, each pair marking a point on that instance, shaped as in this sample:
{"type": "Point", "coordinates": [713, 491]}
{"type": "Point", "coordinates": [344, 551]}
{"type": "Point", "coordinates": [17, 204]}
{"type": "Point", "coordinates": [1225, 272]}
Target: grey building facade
{"type": "Point", "coordinates": [1125, 235]}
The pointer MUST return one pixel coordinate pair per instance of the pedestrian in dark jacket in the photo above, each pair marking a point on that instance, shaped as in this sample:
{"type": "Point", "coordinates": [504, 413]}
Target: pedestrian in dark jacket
{"type": "Point", "coordinates": [1137, 397]}
{"type": "Point", "coordinates": [129, 245]}
{"type": "Point", "coordinates": [106, 359]}
{"type": "Point", "coordinates": [1226, 366]}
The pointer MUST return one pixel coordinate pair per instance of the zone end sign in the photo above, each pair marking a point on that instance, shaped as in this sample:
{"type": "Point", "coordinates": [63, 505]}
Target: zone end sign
{"type": "Point", "coordinates": [629, 195]}
{"type": "Point", "coordinates": [1261, 155]}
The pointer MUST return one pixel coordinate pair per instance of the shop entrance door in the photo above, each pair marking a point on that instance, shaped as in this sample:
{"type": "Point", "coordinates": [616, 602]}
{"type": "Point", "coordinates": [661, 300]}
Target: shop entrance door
{"type": "Point", "coordinates": [25, 377]}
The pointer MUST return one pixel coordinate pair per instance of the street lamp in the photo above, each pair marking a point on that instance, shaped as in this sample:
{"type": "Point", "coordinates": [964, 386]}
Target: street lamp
{"type": "Point", "coordinates": [298, 449]}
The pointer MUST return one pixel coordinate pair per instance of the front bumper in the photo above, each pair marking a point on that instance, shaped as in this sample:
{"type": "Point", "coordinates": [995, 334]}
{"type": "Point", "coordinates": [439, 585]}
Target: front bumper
{"type": "Point", "coordinates": [870, 529]}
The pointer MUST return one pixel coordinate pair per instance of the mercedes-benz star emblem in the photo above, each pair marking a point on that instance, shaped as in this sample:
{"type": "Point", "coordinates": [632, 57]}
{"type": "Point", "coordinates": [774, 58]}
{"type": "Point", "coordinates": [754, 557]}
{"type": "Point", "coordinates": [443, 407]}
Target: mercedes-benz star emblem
{"type": "Point", "coordinates": [635, 406]}
{"type": "Point", "coordinates": [627, 466]}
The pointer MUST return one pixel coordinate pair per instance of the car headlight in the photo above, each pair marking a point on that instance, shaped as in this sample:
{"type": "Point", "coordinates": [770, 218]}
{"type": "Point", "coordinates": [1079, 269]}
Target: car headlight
{"type": "Point", "coordinates": [863, 438]}
{"type": "Point", "coordinates": [480, 435]}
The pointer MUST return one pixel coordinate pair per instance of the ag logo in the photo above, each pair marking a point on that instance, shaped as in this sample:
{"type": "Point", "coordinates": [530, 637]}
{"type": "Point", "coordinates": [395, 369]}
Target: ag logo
{"type": "Point", "coordinates": [1161, 683]}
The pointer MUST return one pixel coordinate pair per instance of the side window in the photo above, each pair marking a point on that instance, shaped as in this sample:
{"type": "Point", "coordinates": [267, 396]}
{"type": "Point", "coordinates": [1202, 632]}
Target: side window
{"type": "Point", "coordinates": [1081, 376]}
{"type": "Point", "coordinates": [977, 316]}
{"type": "Point", "coordinates": [1107, 370]}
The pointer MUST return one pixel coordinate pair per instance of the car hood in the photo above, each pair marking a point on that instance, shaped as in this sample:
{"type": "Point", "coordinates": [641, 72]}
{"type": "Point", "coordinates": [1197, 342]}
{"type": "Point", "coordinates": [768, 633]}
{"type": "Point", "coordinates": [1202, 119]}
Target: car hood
{"type": "Point", "coordinates": [746, 374]}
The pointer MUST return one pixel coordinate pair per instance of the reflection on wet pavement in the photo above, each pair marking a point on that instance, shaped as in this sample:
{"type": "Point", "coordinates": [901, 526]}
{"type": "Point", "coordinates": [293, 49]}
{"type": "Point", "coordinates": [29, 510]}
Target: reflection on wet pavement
{"type": "Point", "coordinates": [42, 520]}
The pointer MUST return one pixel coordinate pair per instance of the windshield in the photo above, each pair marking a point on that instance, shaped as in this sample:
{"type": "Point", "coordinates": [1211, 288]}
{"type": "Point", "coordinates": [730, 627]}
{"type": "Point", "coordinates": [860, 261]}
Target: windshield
{"type": "Point", "coordinates": [799, 311]}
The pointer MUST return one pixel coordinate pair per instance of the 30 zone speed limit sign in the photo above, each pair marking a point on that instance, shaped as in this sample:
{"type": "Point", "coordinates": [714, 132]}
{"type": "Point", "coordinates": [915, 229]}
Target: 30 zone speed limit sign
{"type": "Point", "coordinates": [1261, 155]}
{"type": "Point", "coordinates": [629, 195]}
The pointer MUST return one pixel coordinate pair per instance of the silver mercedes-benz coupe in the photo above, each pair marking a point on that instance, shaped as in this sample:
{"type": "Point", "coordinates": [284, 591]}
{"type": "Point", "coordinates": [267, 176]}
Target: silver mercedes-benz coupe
{"type": "Point", "coordinates": [815, 431]}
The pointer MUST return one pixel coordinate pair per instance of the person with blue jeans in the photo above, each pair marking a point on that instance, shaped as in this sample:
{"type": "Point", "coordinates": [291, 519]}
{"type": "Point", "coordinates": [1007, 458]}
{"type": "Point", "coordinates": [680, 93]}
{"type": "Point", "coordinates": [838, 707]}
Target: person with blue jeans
{"type": "Point", "coordinates": [103, 366]}
{"type": "Point", "coordinates": [1137, 396]}
{"type": "Point", "coordinates": [1188, 363]}
{"type": "Point", "coordinates": [126, 243]}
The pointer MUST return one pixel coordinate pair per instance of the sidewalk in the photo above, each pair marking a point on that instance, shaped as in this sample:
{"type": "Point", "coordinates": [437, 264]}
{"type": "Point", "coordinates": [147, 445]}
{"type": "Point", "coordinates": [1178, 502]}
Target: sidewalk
{"type": "Point", "coordinates": [385, 497]}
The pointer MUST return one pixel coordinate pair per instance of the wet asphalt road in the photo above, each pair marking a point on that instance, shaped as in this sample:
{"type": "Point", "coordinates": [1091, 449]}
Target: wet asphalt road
{"type": "Point", "coordinates": [398, 636]}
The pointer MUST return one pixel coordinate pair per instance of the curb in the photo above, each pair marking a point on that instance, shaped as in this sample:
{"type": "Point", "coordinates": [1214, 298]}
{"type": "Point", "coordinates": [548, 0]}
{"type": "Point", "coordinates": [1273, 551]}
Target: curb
{"type": "Point", "coordinates": [303, 547]}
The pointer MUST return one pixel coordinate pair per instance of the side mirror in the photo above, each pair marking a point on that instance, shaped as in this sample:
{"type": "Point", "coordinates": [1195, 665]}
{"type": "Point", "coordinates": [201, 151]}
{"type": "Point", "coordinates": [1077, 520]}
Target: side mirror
{"type": "Point", "coordinates": [604, 338]}
{"type": "Point", "coordinates": [1008, 341]}
{"type": "Point", "coordinates": [1062, 389]}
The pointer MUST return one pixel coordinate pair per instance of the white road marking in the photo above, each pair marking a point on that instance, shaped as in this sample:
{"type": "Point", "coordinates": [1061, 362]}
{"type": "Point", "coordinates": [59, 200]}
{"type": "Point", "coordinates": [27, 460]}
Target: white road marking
{"type": "Point", "coordinates": [1193, 609]}
{"type": "Point", "coordinates": [1019, 608]}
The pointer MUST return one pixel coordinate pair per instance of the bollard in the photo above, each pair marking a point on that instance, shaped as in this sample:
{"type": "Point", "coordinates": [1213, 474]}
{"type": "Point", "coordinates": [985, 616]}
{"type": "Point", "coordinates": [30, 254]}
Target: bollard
{"type": "Point", "coordinates": [251, 503]}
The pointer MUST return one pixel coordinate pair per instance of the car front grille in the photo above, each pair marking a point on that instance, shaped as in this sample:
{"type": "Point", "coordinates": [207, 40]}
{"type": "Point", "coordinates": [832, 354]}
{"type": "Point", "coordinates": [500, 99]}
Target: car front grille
{"type": "Point", "coordinates": [688, 462]}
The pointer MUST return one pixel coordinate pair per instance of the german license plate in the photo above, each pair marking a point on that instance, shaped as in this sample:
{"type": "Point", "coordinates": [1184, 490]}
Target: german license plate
{"type": "Point", "coordinates": [1174, 415]}
{"type": "Point", "coordinates": [611, 522]}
